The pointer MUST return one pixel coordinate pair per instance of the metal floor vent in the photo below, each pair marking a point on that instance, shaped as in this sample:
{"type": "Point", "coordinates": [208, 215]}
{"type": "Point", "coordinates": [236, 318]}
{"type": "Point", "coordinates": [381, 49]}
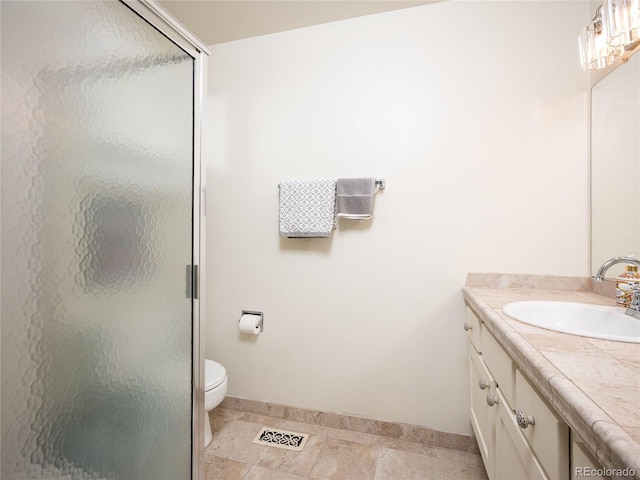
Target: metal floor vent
{"type": "Point", "coordinates": [281, 439]}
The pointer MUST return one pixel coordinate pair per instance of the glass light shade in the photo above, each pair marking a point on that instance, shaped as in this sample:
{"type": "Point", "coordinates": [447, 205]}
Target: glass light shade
{"type": "Point", "coordinates": [595, 52]}
{"type": "Point", "coordinates": [621, 22]}
{"type": "Point", "coordinates": [585, 43]}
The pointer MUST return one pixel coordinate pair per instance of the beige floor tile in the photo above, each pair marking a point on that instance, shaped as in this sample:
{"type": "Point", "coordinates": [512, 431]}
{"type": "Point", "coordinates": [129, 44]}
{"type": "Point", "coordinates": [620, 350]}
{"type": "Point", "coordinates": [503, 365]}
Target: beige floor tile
{"type": "Point", "coordinates": [289, 425]}
{"type": "Point", "coordinates": [225, 413]}
{"type": "Point", "coordinates": [300, 427]}
{"type": "Point", "coordinates": [234, 439]}
{"type": "Point", "coordinates": [340, 460]}
{"type": "Point", "coordinates": [352, 436]}
{"type": "Point", "coordinates": [261, 473]}
{"type": "Point", "coordinates": [255, 417]}
{"type": "Point", "coordinates": [329, 454]}
{"type": "Point", "coordinates": [217, 421]}
{"type": "Point", "coordinates": [407, 446]}
{"type": "Point", "coordinates": [396, 464]}
{"type": "Point", "coordinates": [459, 465]}
{"type": "Point", "coordinates": [218, 468]}
{"type": "Point", "coordinates": [291, 461]}
{"type": "Point", "coordinates": [439, 465]}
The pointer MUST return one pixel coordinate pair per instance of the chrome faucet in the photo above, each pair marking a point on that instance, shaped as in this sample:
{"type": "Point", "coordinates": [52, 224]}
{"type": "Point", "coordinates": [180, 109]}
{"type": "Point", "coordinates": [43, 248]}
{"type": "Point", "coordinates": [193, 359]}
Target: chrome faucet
{"type": "Point", "coordinates": [634, 308]}
{"type": "Point", "coordinates": [599, 276]}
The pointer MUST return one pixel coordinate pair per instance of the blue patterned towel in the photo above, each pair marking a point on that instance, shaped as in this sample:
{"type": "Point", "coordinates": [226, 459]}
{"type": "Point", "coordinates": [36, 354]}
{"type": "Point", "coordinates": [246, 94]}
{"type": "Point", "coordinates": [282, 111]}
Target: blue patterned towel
{"type": "Point", "coordinates": [307, 208]}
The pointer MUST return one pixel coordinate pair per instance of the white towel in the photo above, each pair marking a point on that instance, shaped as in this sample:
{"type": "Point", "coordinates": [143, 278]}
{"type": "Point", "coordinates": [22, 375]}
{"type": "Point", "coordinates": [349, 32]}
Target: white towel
{"type": "Point", "coordinates": [307, 208]}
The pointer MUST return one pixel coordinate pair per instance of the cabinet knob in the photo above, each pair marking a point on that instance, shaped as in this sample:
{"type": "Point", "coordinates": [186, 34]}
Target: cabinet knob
{"type": "Point", "coordinates": [491, 400]}
{"type": "Point", "coordinates": [467, 326]}
{"type": "Point", "coordinates": [524, 420]}
{"type": "Point", "coordinates": [483, 385]}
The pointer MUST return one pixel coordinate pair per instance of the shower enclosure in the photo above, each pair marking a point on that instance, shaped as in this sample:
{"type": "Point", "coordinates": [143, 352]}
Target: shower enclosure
{"type": "Point", "coordinates": [102, 358]}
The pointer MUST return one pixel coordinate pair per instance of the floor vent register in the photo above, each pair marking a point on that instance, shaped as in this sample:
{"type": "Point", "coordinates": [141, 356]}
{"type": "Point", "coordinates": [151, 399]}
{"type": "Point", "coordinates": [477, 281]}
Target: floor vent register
{"type": "Point", "coordinates": [281, 439]}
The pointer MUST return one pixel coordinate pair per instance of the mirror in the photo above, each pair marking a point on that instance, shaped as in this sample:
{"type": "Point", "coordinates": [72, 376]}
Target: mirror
{"type": "Point", "coordinates": [615, 166]}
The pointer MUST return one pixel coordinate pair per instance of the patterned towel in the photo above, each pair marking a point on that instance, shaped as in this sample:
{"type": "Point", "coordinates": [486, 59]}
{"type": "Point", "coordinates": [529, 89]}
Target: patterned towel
{"type": "Point", "coordinates": [307, 208]}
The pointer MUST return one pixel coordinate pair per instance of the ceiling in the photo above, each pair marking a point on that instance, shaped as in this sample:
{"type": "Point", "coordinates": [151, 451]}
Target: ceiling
{"type": "Point", "coordinates": [218, 21]}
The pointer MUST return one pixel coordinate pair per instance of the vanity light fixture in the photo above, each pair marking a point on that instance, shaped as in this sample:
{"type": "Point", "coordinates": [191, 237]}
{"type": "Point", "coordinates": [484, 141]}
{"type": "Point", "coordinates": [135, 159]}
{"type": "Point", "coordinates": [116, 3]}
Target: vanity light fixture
{"type": "Point", "coordinates": [612, 35]}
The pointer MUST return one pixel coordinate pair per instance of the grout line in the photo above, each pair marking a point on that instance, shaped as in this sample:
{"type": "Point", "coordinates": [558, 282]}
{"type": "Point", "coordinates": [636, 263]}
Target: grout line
{"type": "Point", "coordinates": [316, 460]}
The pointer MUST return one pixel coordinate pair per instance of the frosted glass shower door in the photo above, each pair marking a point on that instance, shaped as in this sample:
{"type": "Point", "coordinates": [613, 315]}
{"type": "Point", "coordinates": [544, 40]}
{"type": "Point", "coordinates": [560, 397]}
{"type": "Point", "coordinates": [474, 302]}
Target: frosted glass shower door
{"type": "Point", "coordinates": [97, 233]}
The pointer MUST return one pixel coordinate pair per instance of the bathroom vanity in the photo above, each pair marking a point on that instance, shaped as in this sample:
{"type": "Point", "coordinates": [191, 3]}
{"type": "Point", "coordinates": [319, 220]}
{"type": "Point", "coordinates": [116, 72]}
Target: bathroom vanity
{"type": "Point", "coordinates": [543, 404]}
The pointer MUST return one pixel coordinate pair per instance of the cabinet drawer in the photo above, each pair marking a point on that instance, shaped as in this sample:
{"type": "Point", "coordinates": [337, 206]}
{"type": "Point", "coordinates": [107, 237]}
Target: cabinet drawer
{"type": "Point", "coordinates": [475, 333]}
{"type": "Point", "coordinates": [549, 435]}
{"type": "Point", "coordinates": [500, 365]}
{"type": "Point", "coordinates": [514, 459]}
{"type": "Point", "coordinates": [483, 417]}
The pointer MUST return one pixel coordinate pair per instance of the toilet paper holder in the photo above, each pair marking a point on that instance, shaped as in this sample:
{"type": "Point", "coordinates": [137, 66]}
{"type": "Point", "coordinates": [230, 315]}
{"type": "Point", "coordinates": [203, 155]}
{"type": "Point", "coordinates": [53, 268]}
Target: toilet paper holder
{"type": "Point", "coordinates": [250, 312]}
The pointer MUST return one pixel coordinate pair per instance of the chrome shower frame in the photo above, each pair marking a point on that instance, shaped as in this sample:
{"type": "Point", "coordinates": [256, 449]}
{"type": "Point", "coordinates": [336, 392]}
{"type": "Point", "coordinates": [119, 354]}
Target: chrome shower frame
{"type": "Point", "coordinates": [160, 19]}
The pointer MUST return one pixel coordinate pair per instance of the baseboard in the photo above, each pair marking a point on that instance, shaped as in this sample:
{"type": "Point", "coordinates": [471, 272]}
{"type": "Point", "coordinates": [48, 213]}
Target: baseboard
{"type": "Point", "coordinates": [402, 431]}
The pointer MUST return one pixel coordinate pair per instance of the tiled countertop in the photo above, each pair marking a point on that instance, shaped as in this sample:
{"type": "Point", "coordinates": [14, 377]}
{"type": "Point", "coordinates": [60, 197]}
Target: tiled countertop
{"type": "Point", "coordinates": [594, 384]}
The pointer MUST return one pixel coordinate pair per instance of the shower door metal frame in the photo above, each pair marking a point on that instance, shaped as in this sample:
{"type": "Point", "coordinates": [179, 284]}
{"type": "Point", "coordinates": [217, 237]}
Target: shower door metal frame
{"type": "Point", "coordinates": [158, 18]}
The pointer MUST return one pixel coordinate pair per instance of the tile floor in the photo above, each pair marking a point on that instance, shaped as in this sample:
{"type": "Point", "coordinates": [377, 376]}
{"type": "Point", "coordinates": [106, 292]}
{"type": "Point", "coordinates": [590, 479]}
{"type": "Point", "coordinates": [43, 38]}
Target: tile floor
{"type": "Point", "coordinates": [329, 453]}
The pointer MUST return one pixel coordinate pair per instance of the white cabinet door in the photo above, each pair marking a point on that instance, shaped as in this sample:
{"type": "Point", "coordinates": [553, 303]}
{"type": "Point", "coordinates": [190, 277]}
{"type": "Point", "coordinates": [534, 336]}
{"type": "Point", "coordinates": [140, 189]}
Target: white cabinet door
{"type": "Point", "coordinates": [549, 435]}
{"type": "Point", "coordinates": [582, 462]}
{"type": "Point", "coordinates": [483, 417]}
{"type": "Point", "coordinates": [514, 459]}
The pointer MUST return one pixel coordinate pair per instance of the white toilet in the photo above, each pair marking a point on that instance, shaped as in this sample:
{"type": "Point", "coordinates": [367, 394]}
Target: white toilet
{"type": "Point", "coordinates": [215, 389]}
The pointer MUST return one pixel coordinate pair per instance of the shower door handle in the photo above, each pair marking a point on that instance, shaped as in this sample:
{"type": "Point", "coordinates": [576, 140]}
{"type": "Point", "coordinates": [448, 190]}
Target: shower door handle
{"type": "Point", "coordinates": [193, 285]}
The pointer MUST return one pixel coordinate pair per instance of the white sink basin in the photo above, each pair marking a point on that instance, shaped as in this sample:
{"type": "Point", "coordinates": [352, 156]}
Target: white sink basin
{"type": "Point", "coordinates": [596, 321]}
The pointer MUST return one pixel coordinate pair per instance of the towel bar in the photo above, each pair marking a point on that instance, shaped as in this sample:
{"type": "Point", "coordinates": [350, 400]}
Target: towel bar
{"type": "Point", "coordinates": [381, 183]}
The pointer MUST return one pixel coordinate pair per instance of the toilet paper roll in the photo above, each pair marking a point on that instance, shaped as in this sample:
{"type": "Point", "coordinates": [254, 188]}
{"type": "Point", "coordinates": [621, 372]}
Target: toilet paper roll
{"type": "Point", "coordinates": [250, 323]}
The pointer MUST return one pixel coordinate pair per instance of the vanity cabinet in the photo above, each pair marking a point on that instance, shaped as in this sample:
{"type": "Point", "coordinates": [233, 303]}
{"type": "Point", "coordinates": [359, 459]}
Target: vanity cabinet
{"type": "Point", "coordinates": [519, 434]}
{"type": "Point", "coordinates": [483, 417]}
{"type": "Point", "coordinates": [583, 463]}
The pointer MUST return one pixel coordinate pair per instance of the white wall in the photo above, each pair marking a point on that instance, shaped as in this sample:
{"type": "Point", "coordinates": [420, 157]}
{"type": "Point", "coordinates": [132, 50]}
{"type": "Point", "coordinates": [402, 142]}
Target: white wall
{"type": "Point", "coordinates": [476, 115]}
